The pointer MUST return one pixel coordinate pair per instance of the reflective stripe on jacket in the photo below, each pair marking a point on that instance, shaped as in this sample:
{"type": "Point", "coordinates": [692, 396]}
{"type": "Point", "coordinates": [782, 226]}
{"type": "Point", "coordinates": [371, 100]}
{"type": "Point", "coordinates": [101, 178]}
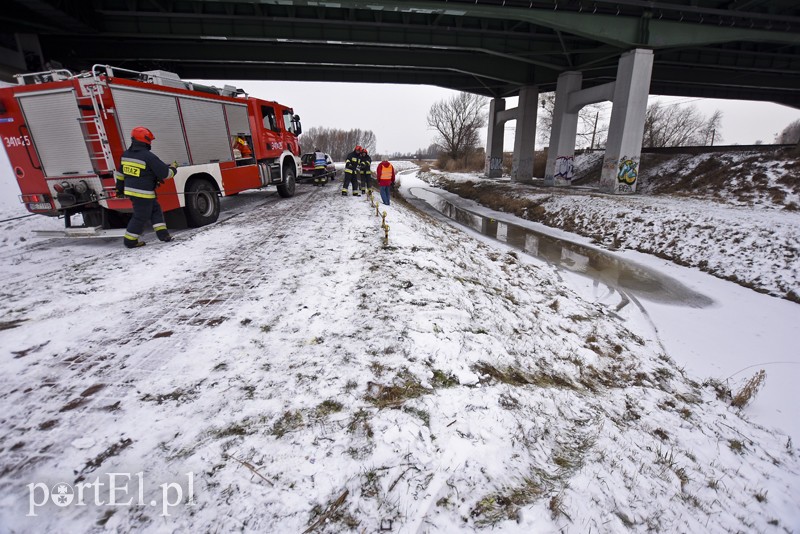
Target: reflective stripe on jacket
{"type": "Point", "coordinates": [365, 164]}
{"type": "Point", "coordinates": [319, 160]}
{"type": "Point", "coordinates": [351, 163]}
{"type": "Point", "coordinates": [142, 171]}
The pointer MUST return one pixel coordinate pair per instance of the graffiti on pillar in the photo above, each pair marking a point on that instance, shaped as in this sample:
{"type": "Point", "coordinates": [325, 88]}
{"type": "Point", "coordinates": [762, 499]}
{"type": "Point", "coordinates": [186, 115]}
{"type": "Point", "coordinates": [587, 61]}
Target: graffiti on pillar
{"type": "Point", "coordinates": [564, 168]}
{"type": "Point", "coordinates": [495, 164]}
{"type": "Point", "coordinates": [627, 171]}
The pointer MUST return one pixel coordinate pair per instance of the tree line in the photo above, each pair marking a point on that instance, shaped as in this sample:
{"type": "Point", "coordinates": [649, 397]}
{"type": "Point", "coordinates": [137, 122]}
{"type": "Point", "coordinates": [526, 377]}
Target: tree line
{"type": "Point", "coordinates": [458, 121]}
{"type": "Point", "coordinates": [337, 143]}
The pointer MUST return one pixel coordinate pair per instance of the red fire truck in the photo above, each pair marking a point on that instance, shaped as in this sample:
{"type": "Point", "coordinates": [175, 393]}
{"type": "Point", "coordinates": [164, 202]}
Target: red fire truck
{"type": "Point", "coordinates": [65, 133]}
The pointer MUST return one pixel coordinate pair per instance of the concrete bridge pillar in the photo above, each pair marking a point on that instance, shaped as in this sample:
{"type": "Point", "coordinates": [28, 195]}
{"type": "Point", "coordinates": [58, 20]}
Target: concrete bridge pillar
{"type": "Point", "coordinates": [494, 139]}
{"type": "Point", "coordinates": [525, 138]}
{"type": "Point", "coordinates": [626, 130]}
{"type": "Point", "coordinates": [629, 94]}
{"type": "Point", "coordinates": [560, 156]}
{"type": "Point", "coordinates": [525, 115]}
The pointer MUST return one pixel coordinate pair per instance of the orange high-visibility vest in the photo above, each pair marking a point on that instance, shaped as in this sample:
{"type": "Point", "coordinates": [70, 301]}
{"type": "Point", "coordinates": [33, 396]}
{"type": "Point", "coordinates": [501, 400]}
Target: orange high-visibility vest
{"type": "Point", "coordinates": [385, 174]}
{"type": "Point", "coordinates": [241, 144]}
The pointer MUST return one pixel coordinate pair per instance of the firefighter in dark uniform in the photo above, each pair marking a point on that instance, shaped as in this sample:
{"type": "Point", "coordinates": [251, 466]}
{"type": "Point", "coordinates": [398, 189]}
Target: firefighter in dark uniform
{"type": "Point", "coordinates": [351, 166]}
{"type": "Point", "coordinates": [366, 172]}
{"type": "Point", "coordinates": [142, 172]}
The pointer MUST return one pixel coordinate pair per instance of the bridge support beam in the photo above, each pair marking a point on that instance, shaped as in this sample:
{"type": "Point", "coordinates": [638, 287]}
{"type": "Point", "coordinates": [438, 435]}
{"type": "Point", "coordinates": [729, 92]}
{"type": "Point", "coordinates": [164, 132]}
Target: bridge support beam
{"type": "Point", "coordinates": [624, 146]}
{"type": "Point", "coordinates": [494, 139]}
{"type": "Point", "coordinates": [559, 167]}
{"type": "Point", "coordinates": [525, 137]}
{"type": "Point", "coordinates": [626, 130]}
{"type": "Point", "coordinates": [524, 140]}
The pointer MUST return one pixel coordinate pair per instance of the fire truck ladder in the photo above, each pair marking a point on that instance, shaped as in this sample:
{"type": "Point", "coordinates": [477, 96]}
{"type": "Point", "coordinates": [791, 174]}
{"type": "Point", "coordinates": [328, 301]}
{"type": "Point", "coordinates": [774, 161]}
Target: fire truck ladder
{"type": "Point", "coordinates": [94, 133]}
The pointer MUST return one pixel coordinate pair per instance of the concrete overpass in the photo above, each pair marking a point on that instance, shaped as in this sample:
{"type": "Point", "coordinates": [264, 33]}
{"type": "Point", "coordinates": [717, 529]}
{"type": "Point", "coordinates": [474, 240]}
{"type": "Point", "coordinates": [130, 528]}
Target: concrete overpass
{"type": "Point", "coordinates": [738, 49]}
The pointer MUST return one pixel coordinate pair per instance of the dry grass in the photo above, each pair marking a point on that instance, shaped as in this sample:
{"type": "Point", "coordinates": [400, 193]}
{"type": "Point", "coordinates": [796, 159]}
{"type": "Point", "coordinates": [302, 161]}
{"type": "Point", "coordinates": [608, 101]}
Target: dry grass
{"type": "Point", "coordinates": [474, 162]}
{"type": "Point", "coordinates": [359, 424]}
{"type": "Point", "coordinates": [517, 377]}
{"type": "Point", "coordinates": [289, 421]}
{"type": "Point", "coordinates": [442, 379]}
{"type": "Point", "coordinates": [405, 386]}
{"type": "Point", "coordinates": [750, 389]}
{"type": "Point", "coordinates": [334, 513]}
{"type": "Point", "coordinates": [556, 507]}
{"type": "Point", "coordinates": [503, 505]}
{"type": "Point", "coordinates": [328, 407]}
{"type": "Point", "coordinates": [489, 197]}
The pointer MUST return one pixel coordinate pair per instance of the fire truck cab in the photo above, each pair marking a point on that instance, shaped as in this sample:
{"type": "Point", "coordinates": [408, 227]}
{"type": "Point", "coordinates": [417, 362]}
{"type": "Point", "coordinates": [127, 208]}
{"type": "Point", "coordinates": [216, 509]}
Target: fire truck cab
{"type": "Point", "coordinates": [65, 134]}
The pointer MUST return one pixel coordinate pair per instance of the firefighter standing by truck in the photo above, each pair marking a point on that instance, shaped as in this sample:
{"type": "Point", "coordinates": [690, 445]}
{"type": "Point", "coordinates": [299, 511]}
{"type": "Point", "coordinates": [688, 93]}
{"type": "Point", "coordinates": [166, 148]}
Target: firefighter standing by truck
{"type": "Point", "coordinates": [142, 172]}
{"type": "Point", "coordinates": [351, 167]}
{"type": "Point", "coordinates": [364, 167]}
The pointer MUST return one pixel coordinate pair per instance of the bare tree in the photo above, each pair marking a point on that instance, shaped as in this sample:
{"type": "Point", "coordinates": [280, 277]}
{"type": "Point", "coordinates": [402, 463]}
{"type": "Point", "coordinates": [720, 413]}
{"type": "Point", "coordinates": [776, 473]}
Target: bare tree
{"type": "Point", "coordinates": [672, 125]}
{"type": "Point", "coordinates": [588, 119]}
{"type": "Point", "coordinates": [457, 122]}
{"type": "Point", "coordinates": [710, 132]}
{"type": "Point", "coordinates": [790, 134]}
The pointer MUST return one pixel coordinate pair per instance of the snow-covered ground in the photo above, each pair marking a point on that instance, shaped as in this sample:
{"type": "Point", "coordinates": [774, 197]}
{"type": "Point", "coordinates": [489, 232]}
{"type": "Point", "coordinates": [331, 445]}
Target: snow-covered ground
{"type": "Point", "coordinates": [288, 371]}
{"type": "Point", "coordinates": [748, 233]}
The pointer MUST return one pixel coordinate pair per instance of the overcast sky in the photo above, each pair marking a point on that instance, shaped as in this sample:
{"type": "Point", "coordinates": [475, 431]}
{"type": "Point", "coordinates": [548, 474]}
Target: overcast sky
{"type": "Point", "coordinates": [397, 113]}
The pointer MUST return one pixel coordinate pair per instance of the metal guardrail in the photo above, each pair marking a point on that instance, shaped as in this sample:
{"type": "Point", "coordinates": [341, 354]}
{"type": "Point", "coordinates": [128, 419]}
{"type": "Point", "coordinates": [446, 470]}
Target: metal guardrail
{"type": "Point", "coordinates": [704, 149]}
{"type": "Point", "coordinates": [709, 149]}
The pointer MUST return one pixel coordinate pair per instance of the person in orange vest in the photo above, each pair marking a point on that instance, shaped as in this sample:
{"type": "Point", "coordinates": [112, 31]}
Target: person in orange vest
{"type": "Point", "coordinates": [385, 175]}
{"type": "Point", "coordinates": [241, 145]}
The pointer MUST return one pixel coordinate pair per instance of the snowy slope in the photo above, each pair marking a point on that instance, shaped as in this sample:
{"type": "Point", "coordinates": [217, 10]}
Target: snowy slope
{"type": "Point", "coordinates": [311, 378]}
{"type": "Point", "coordinates": [754, 243]}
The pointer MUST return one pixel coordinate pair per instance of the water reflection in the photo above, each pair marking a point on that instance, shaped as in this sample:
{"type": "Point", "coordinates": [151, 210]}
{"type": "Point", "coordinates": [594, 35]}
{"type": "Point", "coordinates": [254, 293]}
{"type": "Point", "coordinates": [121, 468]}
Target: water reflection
{"type": "Point", "coordinates": [622, 275]}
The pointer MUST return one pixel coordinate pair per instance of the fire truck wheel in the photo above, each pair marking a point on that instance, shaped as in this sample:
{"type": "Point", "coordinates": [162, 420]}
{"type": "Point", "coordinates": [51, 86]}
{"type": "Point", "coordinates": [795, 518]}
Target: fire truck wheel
{"type": "Point", "coordinates": [202, 203]}
{"type": "Point", "coordinates": [286, 189]}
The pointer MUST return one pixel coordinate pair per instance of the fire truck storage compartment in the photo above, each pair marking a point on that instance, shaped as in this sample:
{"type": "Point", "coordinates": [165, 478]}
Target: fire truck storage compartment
{"type": "Point", "coordinates": [52, 118]}
{"type": "Point", "coordinates": [238, 122]}
{"type": "Point", "coordinates": [205, 131]}
{"type": "Point", "coordinates": [158, 113]}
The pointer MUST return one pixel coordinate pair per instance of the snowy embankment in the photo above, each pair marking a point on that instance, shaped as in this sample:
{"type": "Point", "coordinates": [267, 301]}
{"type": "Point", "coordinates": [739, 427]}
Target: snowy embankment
{"type": "Point", "coordinates": [313, 379]}
{"type": "Point", "coordinates": [744, 228]}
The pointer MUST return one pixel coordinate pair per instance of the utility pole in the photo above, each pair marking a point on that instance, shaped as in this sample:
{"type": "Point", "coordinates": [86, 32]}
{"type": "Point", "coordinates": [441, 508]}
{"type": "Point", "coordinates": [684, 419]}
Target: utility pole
{"type": "Point", "coordinates": [594, 132]}
{"type": "Point", "coordinates": [713, 133]}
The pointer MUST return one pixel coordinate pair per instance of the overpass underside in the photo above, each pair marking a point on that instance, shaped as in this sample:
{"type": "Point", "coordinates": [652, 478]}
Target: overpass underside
{"type": "Point", "coordinates": [745, 49]}
{"type": "Point", "coordinates": [736, 49]}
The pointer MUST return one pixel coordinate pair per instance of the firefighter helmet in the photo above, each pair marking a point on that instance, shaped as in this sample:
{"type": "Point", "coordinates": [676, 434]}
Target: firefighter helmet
{"type": "Point", "coordinates": [140, 133]}
{"type": "Point", "coordinates": [358, 148]}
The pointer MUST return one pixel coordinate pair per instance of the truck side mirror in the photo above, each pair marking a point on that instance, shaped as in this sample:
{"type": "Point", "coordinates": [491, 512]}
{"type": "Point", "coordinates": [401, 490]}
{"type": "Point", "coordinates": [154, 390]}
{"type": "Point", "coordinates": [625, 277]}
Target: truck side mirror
{"type": "Point", "coordinates": [298, 129]}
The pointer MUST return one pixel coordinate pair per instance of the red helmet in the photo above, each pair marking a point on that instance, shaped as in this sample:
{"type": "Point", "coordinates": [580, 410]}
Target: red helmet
{"type": "Point", "coordinates": [140, 133]}
{"type": "Point", "coordinates": [358, 148]}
